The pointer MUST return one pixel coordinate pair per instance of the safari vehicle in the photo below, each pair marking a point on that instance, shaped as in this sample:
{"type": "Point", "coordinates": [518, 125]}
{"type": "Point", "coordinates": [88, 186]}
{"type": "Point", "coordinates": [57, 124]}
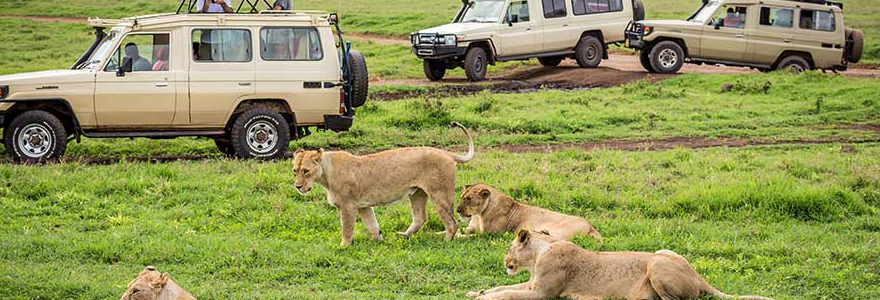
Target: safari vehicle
{"type": "Point", "coordinates": [761, 34]}
{"type": "Point", "coordinates": [250, 81]}
{"type": "Point", "coordinates": [488, 31]}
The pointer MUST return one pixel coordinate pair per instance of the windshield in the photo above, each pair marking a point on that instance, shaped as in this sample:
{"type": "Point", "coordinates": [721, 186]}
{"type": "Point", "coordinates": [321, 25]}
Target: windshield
{"type": "Point", "coordinates": [703, 15]}
{"type": "Point", "coordinates": [486, 11]}
{"type": "Point", "coordinates": [101, 51]}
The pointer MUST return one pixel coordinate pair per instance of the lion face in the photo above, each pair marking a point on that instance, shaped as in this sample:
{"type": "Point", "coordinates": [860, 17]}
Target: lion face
{"type": "Point", "coordinates": [307, 168]}
{"type": "Point", "coordinates": [474, 200]}
{"type": "Point", "coordinates": [147, 286]}
{"type": "Point", "coordinates": [523, 250]}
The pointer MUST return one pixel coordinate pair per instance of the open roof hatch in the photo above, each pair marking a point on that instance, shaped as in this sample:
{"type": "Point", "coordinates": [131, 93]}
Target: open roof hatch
{"type": "Point", "coordinates": [254, 4]}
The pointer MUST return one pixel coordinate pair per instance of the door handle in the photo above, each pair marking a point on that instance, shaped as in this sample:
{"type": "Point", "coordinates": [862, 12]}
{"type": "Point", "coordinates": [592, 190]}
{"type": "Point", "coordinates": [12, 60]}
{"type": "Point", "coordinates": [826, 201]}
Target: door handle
{"type": "Point", "coordinates": [528, 28]}
{"type": "Point", "coordinates": [787, 40]}
{"type": "Point", "coordinates": [564, 25]}
{"type": "Point", "coordinates": [162, 84]}
{"type": "Point", "coordinates": [740, 36]}
{"type": "Point", "coordinates": [244, 84]}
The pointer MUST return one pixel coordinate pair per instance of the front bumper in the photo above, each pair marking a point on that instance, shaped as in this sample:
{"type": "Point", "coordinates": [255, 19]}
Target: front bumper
{"type": "Point", "coordinates": [438, 51]}
{"type": "Point", "coordinates": [634, 36]}
{"type": "Point", "coordinates": [338, 122]}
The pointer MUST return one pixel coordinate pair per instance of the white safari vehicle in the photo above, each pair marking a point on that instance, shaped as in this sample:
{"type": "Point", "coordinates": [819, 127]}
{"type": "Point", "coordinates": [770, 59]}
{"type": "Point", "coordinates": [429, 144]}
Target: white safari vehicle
{"type": "Point", "coordinates": [489, 31]}
{"type": "Point", "coordinates": [250, 81]}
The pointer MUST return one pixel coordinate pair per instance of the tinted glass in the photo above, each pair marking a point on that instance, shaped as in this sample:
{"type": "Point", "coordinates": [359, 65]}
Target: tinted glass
{"type": "Point", "coordinates": [222, 45]}
{"type": "Point", "coordinates": [582, 7]}
{"type": "Point", "coordinates": [290, 44]}
{"type": "Point", "coordinates": [554, 8]}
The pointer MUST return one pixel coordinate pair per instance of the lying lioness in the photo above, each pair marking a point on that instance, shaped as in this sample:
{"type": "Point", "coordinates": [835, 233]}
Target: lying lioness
{"type": "Point", "coordinates": [492, 211]}
{"type": "Point", "coordinates": [355, 184]}
{"type": "Point", "coordinates": [151, 285]}
{"type": "Point", "coordinates": [562, 269]}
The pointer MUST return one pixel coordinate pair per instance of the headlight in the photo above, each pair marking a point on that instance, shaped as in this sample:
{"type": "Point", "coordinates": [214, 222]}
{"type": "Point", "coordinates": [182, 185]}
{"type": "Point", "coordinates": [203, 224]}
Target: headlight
{"type": "Point", "coordinates": [415, 39]}
{"type": "Point", "coordinates": [648, 30]}
{"type": "Point", "coordinates": [449, 40]}
{"type": "Point", "coordinates": [4, 91]}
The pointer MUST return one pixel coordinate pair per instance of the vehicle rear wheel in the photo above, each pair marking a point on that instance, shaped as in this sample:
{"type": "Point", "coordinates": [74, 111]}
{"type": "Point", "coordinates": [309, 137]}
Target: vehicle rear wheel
{"type": "Point", "coordinates": [550, 61]}
{"type": "Point", "coordinates": [667, 57]}
{"type": "Point", "coordinates": [360, 79]}
{"type": "Point", "coordinates": [434, 69]}
{"type": "Point", "coordinates": [856, 45]}
{"type": "Point", "coordinates": [638, 10]}
{"type": "Point", "coordinates": [260, 132]}
{"type": "Point", "coordinates": [225, 146]}
{"type": "Point", "coordinates": [35, 137]}
{"type": "Point", "coordinates": [794, 64]}
{"type": "Point", "coordinates": [645, 59]}
{"type": "Point", "coordinates": [589, 52]}
{"type": "Point", "coordinates": [475, 64]}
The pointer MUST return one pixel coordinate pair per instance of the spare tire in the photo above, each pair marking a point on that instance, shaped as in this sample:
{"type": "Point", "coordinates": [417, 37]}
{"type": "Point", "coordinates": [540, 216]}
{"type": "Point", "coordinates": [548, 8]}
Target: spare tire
{"type": "Point", "coordinates": [856, 45]}
{"type": "Point", "coordinates": [360, 81]}
{"type": "Point", "coordinates": [638, 10]}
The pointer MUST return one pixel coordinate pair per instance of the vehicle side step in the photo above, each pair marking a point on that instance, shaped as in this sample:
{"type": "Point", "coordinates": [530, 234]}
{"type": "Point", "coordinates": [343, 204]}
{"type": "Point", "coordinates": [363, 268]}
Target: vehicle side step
{"type": "Point", "coordinates": [725, 62]}
{"type": "Point", "coordinates": [152, 134]}
{"type": "Point", "coordinates": [543, 54]}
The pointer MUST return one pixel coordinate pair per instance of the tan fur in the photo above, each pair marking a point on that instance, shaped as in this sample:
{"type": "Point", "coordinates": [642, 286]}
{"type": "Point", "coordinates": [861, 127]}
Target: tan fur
{"type": "Point", "coordinates": [355, 184]}
{"type": "Point", "coordinates": [562, 269]}
{"type": "Point", "coordinates": [152, 285]}
{"type": "Point", "coordinates": [492, 211]}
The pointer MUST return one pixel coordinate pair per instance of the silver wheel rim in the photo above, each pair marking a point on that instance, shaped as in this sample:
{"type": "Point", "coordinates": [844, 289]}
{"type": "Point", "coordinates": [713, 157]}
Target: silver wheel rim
{"type": "Point", "coordinates": [796, 68]}
{"type": "Point", "coordinates": [35, 140]}
{"type": "Point", "coordinates": [591, 52]}
{"type": "Point", "coordinates": [478, 65]}
{"type": "Point", "coordinates": [668, 58]}
{"type": "Point", "coordinates": [262, 136]}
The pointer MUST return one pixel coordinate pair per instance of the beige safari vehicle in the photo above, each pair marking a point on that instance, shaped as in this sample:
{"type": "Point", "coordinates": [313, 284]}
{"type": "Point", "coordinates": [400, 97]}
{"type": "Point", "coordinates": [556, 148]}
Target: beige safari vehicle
{"type": "Point", "coordinates": [252, 82]}
{"type": "Point", "coordinates": [488, 31]}
{"type": "Point", "coordinates": [761, 34]}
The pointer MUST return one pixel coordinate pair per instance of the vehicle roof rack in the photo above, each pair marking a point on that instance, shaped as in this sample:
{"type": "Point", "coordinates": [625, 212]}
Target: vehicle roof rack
{"type": "Point", "coordinates": [191, 6]}
{"type": "Point", "coordinates": [825, 2]}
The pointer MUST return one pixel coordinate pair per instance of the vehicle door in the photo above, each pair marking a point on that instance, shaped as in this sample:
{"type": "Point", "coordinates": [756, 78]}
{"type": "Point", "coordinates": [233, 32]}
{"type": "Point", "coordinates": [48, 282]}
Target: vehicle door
{"type": "Point", "coordinates": [817, 33]}
{"type": "Point", "coordinates": [293, 66]}
{"type": "Point", "coordinates": [724, 35]}
{"type": "Point", "coordinates": [221, 72]}
{"type": "Point", "coordinates": [772, 35]}
{"type": "Point", "coordinates": [605, 15]}
{"type": "Point", "coordinates": [519, 34]}
{"type": "Point", "coordinates": [147, 95]}
{"type": "Point", "coordinates": [555, 26]}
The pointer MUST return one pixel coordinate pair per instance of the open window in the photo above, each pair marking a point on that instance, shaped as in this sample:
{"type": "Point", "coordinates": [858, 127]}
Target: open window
{"type": "Point", "coordinates": [147, 53]}
{"type": "Point", "coordinates": [290, 43]}
{"type": "Point", "coordinates": [730, 17]}
{"type": "Point", "coordinates": [817, 20]}
{"type": "Point", "coordinates": [222, 45]}
{"type": "Point", "coordinates": [518, 12]}
{"type": "Point", "coordinates": [777, 17]}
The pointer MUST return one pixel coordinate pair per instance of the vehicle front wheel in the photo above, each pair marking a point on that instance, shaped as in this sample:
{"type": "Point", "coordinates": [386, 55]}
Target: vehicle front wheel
{"type": "Point", "coordinates": [550, 61]}
{"type": "Point", "coordinates": [434, 69]}
{"type": "Point", "coordinates": [260, 132]}
{"type": "Point", "coordinates": [475, 64]}
{"type": "Point", "coordinates": [589, 52]}
{"type": "Point", "coordinates": [794, 64]}
{"type": "Point", "coordinates": [35, 137]}
{"type": "Point", "coordinates": [645, 59]}
{"type": "Point", "coordinates": [667, 57]}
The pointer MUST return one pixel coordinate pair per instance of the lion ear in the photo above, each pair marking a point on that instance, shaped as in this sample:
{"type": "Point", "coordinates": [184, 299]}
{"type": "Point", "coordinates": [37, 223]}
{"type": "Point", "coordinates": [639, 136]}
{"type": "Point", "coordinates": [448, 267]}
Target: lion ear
{"type": "Point", "coordinates": [467, 186]}
{"type": "Point", "coordinates": [161, 281]}
{"type": "Point", "coordinates": [485, 193]}
{"type": "Point", "coordinates": [298, 151]}
{"type": "Point", "coordinates": [320, 155]}
{"type": "Point", "coordinates": [522, 236]}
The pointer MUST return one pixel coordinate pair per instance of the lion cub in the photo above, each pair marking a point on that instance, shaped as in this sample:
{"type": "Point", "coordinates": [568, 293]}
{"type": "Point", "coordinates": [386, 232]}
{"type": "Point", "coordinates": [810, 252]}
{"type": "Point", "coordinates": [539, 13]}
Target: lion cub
{"type": "Point", "coordinates": [562, 269]}
{"type": "Point", "coordinates": [152, 285]}
{"type": "Point", "coordinates": [355, 184]}
{"type": "Point", "coordinates": [492, 211]}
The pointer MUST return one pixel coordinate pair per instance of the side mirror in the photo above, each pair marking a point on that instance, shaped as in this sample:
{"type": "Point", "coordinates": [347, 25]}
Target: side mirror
{"type": "Point", "coordinates": [514, 19]}
{"type": "Point", "coordinates": [125, 68]}
{"type": "Point", "coordinates": [507, 20]}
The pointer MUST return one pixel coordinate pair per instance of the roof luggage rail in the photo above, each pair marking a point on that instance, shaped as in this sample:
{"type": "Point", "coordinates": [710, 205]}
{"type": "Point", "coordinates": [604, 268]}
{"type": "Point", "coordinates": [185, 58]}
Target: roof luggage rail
{"type": "Point", "coordinates": [191, 6]}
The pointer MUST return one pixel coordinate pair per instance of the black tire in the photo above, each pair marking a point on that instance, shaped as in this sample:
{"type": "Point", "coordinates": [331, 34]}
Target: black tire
{"type": "Point", "coordinates": [638, 10]}
{"type": "Point", "coordinates": [225, 146]}
{"type": "Point", "coordinates": [589, 52]}
{"type": "Point", "coordinates": [475, 63]}
{"type": "Point", "coordinates": [34, 137]}
{"type": "Point", "coordinates": [794, 64]}
{"type": "Point", "coordinates": [666, 57]}
{"type": "Point", "coordinates": [434, 69]}
{"type": "Point", "coordinates": [261, 133]}
{"type": "Point", "coordinates": [360, 78]}
{"type": "Point", "coordinates": [856, 46]}
{"type": "Point", "coordinates": [645, 60]}
{"type": "Point", "coordinates": [550, 61]}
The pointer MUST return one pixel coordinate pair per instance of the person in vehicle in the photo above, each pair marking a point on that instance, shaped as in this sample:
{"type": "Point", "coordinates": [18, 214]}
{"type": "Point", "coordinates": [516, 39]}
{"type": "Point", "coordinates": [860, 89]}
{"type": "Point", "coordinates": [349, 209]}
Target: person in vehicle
{"type": "Point", "coordinates": [138, 63]}
{"type": "Point", "coordinates": [283, 5]}
{"type": "Point", "coordinates": [161, 59]}
{"type": "Point", "coordinates": [732, 19]}
{"type": "Point", "coordinates": [214, 6]}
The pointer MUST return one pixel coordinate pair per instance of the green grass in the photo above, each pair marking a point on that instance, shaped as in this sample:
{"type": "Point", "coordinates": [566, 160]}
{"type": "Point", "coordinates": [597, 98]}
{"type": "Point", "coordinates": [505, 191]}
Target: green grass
{"type": "Point", "coordinates": [794, 222]}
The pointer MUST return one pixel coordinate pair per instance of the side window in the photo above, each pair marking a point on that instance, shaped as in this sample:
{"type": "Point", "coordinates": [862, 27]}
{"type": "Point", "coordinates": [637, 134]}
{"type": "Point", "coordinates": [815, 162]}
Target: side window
{"type": "Point", "coordinates": [222, 45]}
{"type": "Point", "coordinates": [554, 9]}
{"type": "Point", "coordinates": [583, 7]}
{"type": "Point", "coordinates": [730, 16]}
{"type": "Point", "coordinates": [148, 53]}
{"type": "Point", "coordinates": [777, 17]}
{"type": "Point", "coordinates": [817, 20]}
{"type": "Point", "coordinates": [518, 12]}
{"type": "Point", "coordinates": [288, 43]}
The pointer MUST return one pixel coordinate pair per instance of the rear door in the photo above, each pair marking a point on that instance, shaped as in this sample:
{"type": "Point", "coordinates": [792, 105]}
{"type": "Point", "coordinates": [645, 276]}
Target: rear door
{"type": "Point", "coordinates": [519, 33]}
{"type": "Point", "coordinates": [221, 73]}
{"type": "Point", "coordinates": [772, 35]}
{"type": "Point", "coordinates": [555, 26]}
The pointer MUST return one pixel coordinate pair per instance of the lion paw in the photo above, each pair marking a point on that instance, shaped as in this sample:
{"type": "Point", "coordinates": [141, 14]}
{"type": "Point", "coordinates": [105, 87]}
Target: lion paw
{"type": "Point", "coordinates": [473, 294]}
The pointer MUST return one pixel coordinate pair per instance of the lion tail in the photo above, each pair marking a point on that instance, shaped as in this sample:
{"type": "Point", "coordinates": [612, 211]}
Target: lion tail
{"type": "Point", "coordinates": [722, 295]}
{"type": "Point", "coordinates": [471, 153]}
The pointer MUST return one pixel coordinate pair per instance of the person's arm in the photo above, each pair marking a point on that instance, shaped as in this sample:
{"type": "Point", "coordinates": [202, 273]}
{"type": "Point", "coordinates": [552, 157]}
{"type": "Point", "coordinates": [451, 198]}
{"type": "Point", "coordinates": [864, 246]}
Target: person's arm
{"type": "Point", "coordinates": [206, 4]}
{"type": "Point", "coordinates": [226, 6]}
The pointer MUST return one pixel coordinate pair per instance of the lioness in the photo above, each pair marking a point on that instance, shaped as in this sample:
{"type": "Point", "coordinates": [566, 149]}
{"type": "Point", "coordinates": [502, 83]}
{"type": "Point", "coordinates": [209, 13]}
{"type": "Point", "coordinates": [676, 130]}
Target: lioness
{"type": "Point", "coordinates": [492, 211]}
{"type": "Point", "coordinates": [562, 269]}
{"type": "Point", "coordinates": [151, 285]}
{"type": "Point", "coordinates": [355, 184]}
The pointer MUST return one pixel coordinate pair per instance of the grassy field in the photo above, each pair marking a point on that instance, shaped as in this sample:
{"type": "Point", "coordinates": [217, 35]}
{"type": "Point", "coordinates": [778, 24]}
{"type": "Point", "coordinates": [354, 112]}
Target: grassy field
{"type": "Point", "coordinates": [790, 222]}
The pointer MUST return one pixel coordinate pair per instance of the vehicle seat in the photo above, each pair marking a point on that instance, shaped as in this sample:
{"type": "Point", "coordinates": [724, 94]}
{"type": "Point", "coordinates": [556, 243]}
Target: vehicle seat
{"type": "Point", "coordinates": [161, 60]}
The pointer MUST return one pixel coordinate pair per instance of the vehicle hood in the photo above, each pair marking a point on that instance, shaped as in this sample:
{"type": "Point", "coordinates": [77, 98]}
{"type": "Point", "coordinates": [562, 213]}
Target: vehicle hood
{"type": "Point", "coordinates": [53, 77]}
{"type": "Point", "coordinates": [669, 23]}
{"type": "Point", "coordinates": [459, 28]}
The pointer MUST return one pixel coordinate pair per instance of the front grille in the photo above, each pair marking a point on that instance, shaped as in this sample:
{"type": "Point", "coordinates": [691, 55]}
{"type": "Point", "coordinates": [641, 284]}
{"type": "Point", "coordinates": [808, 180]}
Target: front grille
{"type": "Point", "coordinates": [428, 39]}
